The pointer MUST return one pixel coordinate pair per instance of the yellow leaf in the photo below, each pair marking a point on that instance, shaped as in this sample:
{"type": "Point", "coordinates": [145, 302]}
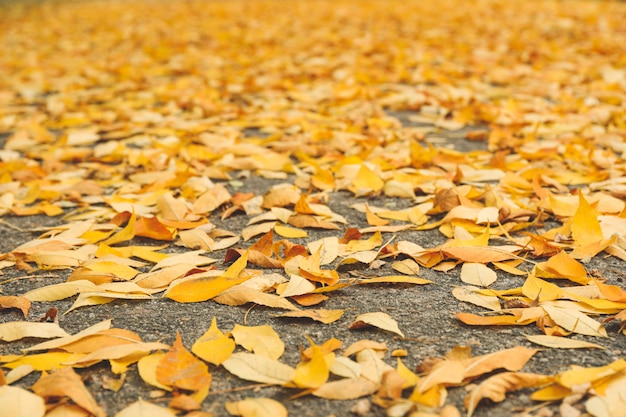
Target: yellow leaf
{"type": "Point", "coordinates": [127, 233]}
{"type": "Point", "coordinates": [16, 401]}
{"type": "Point", "coordinates": [57, 292]}
{"type": "Point", "coordinates": [575, 321]}
{"type": "Point", "coordinates": [235, 269]}
{"type": "Point", "coordinates": [409, 376]}
{"type": "Point", "coordinates": [496, 387]}
{"type": "Point", "coordinates": [142, 408]}
{"type": "Point", "coordinates": [561, 342]}
{"type": "Point", "coordinates": [395, 279]}
{"type": "Point", "coordinates": [44, 361]}
{"type": "Point", "coordinates": [373, 219]}
{"type": "Point", "coordinates": [15, 330]}
{"type": "Point", "coordinates": [367, 181]}
{"type": "Point", "coordinates": [147, 367]}
{"type": "Point", "coordinates": [256, 407]}
{"type": "Point", "coordinates": [199, 287]}
{"type": "Point", "coordinates": [469, 294]}
{"type": "Point", "coordinates": [580, 376]}
{"type": "Point", "coordinates": [328, 248]}
{"type": "Point", "coordinates": [119, 270]}
{"type": "Point", "coordinates": [406, 266]}
{"type": "Point", "coordinates": [262, 340]}
{"type": "Point", "coordinates": [214, 346]}
{"type": "Point", "coordinates": [312, 373]}
{"type": "Point", "coordinates": [540, 290]}
{"type": "Point", "coordinates": [377, 319]}
{"type": "Point", "coordinates": [290, 232]}
{"type": "Point", "coordinates": [585, 225]}
{"type": "Point", "coordinates": [257, 368]}
{"type": "Point", "coordinates": [297, 285]}
{"type": "Point", "coordinates": [321, 315]}
{"type": "Point", "coordinates": [346, 389]}
{"type": "Point", "coordinates": [365, 245]}
{"type": "Point", "coordinates": [477, 274]}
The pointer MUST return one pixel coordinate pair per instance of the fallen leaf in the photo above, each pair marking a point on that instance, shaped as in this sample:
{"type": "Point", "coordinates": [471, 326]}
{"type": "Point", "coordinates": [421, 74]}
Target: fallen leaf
{"type": "Point", "coordinates": [477, 274]}
{"type": "Point", "coordinates": [496, 387]}
{"type": "Point", "coordinates": [15, 330]}
{"type": "Point", "coordinates": [561, 342]}
{"type": "Point", "coordinates": [376, 319]}
{"type": "Point", "coordinates": [256, 407]}
{"type": "Point", "coordinates": [67, 383]}
{"type": "Point", "coordinates": [142, 408]}
{"type": "Point", "coordinates": [180, 369]}
{"type": "Point", "coordinates": [214, 346]}
{"type": "Point", "coordinates": [312, 372]}
{"type": "Point", "coordinates": [12, 301]}
{"type": "Point", "coordinates": [262, 340]}
{"type": "Point", "coordinates": [16, 401]}
{"type": "Point", "coordinates": [321, 315]}
{"type": "Point", "coordinates": [257, 368]}
{"type": "Point", "coordinates": [346, 389]}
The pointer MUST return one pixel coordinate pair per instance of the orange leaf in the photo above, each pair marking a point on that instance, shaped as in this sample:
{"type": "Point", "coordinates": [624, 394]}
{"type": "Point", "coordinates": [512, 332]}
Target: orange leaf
{"type": "Point", "coordinates": [153, 228]}
{"type": "Point", "coordinates": [565, 266]}
{"type": "Point", "coordinates": [180, 369]}
{"type": "Point", "coordinates": [66, 383]}
{"type": "Point", "coordinates": [12, 301]}
{"type": "Point", "coordinates": [496, 387]}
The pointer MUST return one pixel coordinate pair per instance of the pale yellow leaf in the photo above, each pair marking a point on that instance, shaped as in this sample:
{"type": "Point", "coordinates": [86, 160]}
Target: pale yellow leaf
{"type": "Point", "coordinates": [142, 408]}
{"type": "Point", "coordinates": [477, 274]}
{"type": "Point", "coordinates": [346, 389]}
{"type": "Point", "coordinates": [57, 343]}
{"type": "Point", "coordinates": [61, 291]}
{"type": "Point", "coordinates": [321, 315]}
{"type": "Point", "coordinates": [345, 367]}
{"type": "Point", "coordinates": [17, 402]}
{"type": "Point", "coordinates": [406, 266]}
{"type": "Point", "coordinates": [297, 285]}
{"type": "Point", "coordinates": [262, 340]}
{"type": "Point", "coordinates": [15, 330]}
{"type": "Point", "coordinates": [377, 319]}
{"type": "Point", "coordinates": [256, 407]}
{"type": "Point", "coordinates": [469, 294]}
{"type": "Point", "coordinates": [257, 368]}
{"type": "Point", "coordinates": [561, 342]}
{"type": "Point", "coordinates": [575, 321]}
{"type": "Point", "coordinates": [290, 232]}
{"type": "Point", "coordinates": [329, 249]}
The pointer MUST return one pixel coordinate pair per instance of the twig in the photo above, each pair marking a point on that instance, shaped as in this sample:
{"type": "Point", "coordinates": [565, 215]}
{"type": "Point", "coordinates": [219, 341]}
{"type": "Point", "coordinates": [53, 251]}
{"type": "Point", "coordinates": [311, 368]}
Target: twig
{"type": "Point", "coordinates": [11, 226]}
{"type": "Point", "coordinates": [247, 387]}
{"type": "Point", "coordinates": [28, 277]}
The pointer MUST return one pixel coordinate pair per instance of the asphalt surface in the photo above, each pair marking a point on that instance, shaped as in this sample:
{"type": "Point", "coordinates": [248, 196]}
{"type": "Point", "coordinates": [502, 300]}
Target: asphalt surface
{"type": "Point", "coordinates": [425, 314]}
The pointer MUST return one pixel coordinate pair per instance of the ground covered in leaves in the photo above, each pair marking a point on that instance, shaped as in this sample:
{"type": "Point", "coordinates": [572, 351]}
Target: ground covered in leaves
{"type": "Point", "coordinates": [256, 208]}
